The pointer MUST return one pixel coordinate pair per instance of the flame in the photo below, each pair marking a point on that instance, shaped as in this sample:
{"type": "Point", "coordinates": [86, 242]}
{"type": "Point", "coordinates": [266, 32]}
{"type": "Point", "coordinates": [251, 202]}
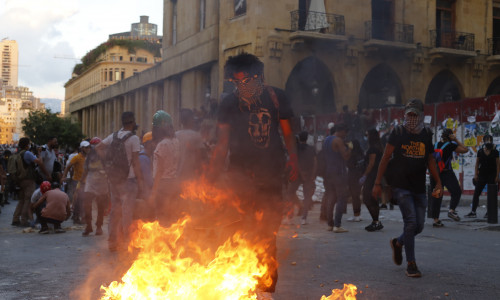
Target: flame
{"type": "Point", "coordinates": [169, 266]}
{"type": "Point", "coordinates": [347, 293]}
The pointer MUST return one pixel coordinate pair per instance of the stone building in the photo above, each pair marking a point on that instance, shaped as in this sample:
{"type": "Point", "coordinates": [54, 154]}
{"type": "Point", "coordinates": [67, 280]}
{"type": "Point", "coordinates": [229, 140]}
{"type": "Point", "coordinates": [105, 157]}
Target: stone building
{"type": "Point", "coordinates": [324, 53]}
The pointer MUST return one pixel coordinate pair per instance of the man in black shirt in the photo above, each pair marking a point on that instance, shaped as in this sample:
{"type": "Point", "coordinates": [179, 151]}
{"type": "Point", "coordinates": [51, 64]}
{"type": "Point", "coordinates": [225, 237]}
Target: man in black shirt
{"type": "Point", "coordinates": [445, 148]}
{"type": "Point", "coordinates": [248, 128]}
{"type": "Point", "coordinates": [410, 146]}
{"type": "Point", "coordinates": [486, 171]}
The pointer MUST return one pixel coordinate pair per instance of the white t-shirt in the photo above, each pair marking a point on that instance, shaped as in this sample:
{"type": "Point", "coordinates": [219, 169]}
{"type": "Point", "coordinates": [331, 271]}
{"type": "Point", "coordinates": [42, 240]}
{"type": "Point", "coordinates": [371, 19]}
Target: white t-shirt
{"type": "Point", "coordinates": [48, 157]}
{"type": "Point", "coordinates": [37, 194]}
{"type": "Point", "coordinates": [168, 152]}
{"type": "Point", "coordinates": [132, 145]}
{"type": "Point", "coordinates": [191, 145]}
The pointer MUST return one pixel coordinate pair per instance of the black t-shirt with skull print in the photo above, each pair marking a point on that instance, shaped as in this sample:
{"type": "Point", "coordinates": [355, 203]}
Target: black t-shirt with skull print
{"type": "Point", "coordinates": [255, 144]}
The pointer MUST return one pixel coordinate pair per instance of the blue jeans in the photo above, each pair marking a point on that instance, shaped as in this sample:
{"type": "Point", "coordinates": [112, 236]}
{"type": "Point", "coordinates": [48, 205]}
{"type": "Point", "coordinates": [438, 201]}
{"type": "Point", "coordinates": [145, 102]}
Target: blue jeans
{"type": "Point", "coordinates": [338, 192]}
{"type": "Point", "coordinates": [123, 197]}
{"type": "Point", "coordinates": [412, 208]}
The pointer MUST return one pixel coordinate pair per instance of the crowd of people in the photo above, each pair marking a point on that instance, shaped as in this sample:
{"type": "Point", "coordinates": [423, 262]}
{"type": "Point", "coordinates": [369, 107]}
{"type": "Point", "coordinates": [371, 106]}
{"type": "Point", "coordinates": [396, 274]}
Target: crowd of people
{"type": "Point", "coordinates": [129, 176]}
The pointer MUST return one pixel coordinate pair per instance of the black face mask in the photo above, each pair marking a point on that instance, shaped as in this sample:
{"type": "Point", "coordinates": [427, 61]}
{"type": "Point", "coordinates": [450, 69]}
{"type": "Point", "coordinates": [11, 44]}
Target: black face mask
{"type": "Point", "coordinates": [488, 146]}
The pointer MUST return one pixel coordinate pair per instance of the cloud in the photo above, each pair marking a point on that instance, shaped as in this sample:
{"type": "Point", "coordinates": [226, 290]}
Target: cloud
{"type": "Point", "coordinates": [45, 29]}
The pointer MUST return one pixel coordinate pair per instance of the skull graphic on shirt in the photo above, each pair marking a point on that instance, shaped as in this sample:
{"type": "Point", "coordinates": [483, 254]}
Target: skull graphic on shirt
{"type": "Point", "coordinates": [259, 127]}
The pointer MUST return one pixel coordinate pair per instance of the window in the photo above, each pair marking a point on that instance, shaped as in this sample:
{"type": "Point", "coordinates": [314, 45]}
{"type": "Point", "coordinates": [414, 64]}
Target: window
{"type": "Point", "coordinates": [240, 7]}
{"type": "Point", "coordinates": [131, 58]}
{"type": "Point", "coordinates": [110, 75]}
{"type": "Point", "coordinates": [105, 75]}
{"type": "Point", "coordinates": [121, 58]}
{"type": "Point", "coordinates": [123, 74]}
{"type": "Point", "coordinates": [142, 59]}
{"type": "Point", "coordinates": [445, 23]}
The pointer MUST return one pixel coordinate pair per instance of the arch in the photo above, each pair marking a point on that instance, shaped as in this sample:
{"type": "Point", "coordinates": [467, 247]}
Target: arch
{"type": "Point", "coordinates": [381, 87]}
{"type": "Point", "coordinates": [444, 87]}
{"type": "Point", "coordinates": [310, 88]}
{"type": "Point", "coordinates": [494, 88]}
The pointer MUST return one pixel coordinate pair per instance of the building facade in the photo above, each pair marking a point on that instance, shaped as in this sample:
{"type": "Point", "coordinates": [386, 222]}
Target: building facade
{"type": "Point", "coordinates": [9, 60]}
{"type": "Point", "coordinates": [324, 54]}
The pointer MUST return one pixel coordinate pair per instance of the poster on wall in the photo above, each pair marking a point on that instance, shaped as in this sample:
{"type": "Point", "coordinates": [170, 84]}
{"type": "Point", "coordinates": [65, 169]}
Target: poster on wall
{"type": "Point", "coordinates": [470, 135]}
{"type": "Point", "coordinates": [469, 164]}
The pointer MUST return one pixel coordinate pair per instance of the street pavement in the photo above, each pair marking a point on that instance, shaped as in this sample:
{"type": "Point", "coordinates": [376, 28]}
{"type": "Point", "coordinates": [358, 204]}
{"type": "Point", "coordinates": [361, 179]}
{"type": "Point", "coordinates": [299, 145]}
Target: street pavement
{"type": "Point", "coordinates": [458, 261]}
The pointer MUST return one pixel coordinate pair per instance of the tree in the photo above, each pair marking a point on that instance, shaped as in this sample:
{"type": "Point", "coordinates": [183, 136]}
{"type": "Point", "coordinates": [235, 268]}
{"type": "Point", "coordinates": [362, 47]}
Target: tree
{"type": "Point", "coordinates": [40, 125]}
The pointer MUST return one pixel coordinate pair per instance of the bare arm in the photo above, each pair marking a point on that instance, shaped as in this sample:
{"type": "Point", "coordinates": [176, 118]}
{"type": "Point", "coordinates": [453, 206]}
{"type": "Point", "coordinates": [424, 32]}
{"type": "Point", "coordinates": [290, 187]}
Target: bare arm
{"type": "Point", "coordinates": [461, 148]}
{"type": "Point", "coordinates": [339, 146]}
{"type": "Point", "coordinates": [377, 190]}
{"type": "Point", "coordinates": [221, 149]}
{"type": "Point", "coordinates": [66, 170]}
{"type": "Point", "coordinates": [371, 163]}
{"type": "Point", "coordinates": [431, 164]}
{"type": "Point", "coordinates": [40, 201]}
{"type": "Point", "coordinates": [40, 164]}
{"type": "Point", "coordinates": [137, 170]}
{"type": "Point", "coordinates": [476, 168]}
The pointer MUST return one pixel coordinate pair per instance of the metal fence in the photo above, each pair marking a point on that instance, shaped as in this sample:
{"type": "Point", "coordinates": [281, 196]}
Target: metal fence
{"type": "Point", "coordinates": [302, 20]}
{"type": "Point", "coordinates": [452, 40]}
{"type": "Point", "coordinates": [389, 31]}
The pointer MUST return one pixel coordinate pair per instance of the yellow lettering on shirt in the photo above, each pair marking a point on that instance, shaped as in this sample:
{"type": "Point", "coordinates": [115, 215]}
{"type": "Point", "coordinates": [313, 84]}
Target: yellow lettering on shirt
{"type": "Point", "coordinates": [413, 150]}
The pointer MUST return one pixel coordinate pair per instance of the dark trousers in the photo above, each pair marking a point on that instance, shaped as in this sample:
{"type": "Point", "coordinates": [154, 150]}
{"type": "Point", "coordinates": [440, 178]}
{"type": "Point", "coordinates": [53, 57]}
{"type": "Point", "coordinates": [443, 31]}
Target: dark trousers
{"type": "Point", "coordinates": [450, 181]}
{"type": "Point", "coordinates": [481, 183]}
{"type": "Point", "coordinates": [43, 220]}
{"type": "Point", "coordinates": [355, 190]}
{"type": "Point", "coordinates": [370, 201]}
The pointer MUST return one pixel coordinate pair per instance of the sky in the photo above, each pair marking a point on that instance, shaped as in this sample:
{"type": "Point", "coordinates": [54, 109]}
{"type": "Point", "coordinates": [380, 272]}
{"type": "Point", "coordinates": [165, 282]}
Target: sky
{"type": "Point", "coordinates": [53, 34]}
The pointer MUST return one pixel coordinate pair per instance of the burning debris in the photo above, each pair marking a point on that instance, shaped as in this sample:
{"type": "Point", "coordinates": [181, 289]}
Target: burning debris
{"type": "Point", "coordinates": [207, 254]}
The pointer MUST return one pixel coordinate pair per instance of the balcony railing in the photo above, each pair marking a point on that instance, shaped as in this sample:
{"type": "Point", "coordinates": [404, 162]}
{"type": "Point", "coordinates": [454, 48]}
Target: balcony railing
{"type": "Point", "coordinates": [388, 31]}
{"type": "Point", "coordinates": [452, 39]}
{"type": "Point", "coordinates": [317, 21]}
{"type": "Point", "coordinates": [494, 46]}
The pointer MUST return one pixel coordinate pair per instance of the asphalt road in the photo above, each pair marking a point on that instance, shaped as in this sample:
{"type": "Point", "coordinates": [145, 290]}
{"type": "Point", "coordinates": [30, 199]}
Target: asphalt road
{"type": "Point", "coordinates": [458, 261]}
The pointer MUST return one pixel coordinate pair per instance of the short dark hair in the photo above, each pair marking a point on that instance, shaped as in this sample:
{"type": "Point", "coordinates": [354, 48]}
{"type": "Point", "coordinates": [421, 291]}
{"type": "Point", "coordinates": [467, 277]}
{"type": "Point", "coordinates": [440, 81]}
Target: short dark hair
{"type": "Point", "coordinates": [128, 117]}
{"type": "Point", "coordinates": [23, 142]}
{"type": "Point", "coordinates": [187, 115]}
{"type": "Point", "coordinates": [51, 138]}
{"type": "Point", "coordinates": [303, 136]}
{"type": "Point", "coordinates": [487, 137]}
{"type": "Point", "coordinates": [340, 127]}
{"type": "Point", "coordinates": [244, 62]}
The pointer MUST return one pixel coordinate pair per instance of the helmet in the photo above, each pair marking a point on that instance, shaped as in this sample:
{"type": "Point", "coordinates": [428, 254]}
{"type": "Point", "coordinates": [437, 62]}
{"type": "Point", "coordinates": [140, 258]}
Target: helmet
{"type": "Point", "coordinates": [161, 118]}
{"type": "Point", "coordinates": [45, 186]}
{"type": "Point", "coordinates": [148, 136]}
{"type": "Point", "coordinates": [95, 140]}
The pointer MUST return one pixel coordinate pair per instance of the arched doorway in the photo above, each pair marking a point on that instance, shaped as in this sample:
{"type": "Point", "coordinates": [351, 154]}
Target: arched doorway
{"type": "Point", "coordinates": [494, 88]}
{"type": "Point", "coordinates": [444, 87]}
{"type": "Point", "coordinates": [310, 88]}
{"type": "Point", "coordinates": [380, 88]}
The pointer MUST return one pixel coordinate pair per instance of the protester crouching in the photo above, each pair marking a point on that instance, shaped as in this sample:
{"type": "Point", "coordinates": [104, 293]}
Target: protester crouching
{"type": "Point", "coordinates": [56, 210]}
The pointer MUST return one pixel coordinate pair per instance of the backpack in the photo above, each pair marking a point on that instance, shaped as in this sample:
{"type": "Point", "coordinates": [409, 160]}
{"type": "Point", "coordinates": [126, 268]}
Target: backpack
{"type": "Point", "coordinates": [438, 156]}
{"type": "Point", "coordinates": [21, 169]}
{"type": "Point", "coordinates": [116, 162]}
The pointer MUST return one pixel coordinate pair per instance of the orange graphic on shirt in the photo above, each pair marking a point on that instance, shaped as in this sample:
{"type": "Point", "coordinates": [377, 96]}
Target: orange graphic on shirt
{"type": "Point", "coordinates": [414, 150]}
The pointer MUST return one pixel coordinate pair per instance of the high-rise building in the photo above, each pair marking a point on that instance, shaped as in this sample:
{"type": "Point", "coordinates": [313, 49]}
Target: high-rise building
{"type": "Point", "coordinates": [9, 62]}
{"type": "Point", "coordinates": [140, 31]}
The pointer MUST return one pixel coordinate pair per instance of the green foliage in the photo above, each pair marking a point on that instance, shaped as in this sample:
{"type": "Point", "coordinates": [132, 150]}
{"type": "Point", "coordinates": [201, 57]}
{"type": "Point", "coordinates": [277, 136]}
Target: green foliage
{"type": "Point", "coordinates": [132, 45]}
{"type": "Point", "coordinates": [40, 125]}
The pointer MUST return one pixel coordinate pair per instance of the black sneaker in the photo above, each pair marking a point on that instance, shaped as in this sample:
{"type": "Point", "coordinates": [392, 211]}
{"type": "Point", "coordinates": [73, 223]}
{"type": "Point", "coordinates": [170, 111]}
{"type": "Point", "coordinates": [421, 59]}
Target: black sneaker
{"type": "Point", "coordinates": [453, 215]}
{"type": "Point", "coordinates": [374, 226]}
{"type": "Point", "coordinates": [383, 206]}
{"type": "Point", "coordinates": [438, 224]}
{"type": "Point", "coordinates": [397, 252]}
{"type": "Point", "coordinates": [472, 214]}
{"type": "Point", "coordinates": [412, 270]}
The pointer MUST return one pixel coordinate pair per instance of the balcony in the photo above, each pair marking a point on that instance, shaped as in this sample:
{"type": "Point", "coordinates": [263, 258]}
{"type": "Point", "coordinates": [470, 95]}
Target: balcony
{"type": "Point", "coordinates": [452, 44]}
{"type": "Point", "coordinates": [311, 25]}
{"type": "Point", "coordinates": [388, 35]}
{"type": "Point", "coordinates": [494, 52]}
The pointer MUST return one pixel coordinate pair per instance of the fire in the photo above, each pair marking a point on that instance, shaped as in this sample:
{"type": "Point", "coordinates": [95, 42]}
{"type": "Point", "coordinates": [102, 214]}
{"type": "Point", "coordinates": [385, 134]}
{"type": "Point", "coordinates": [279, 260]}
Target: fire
{"type": "Point", "coordinates": [347, 293]}
{"type": "Point", "coordinates": [169, 266]}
